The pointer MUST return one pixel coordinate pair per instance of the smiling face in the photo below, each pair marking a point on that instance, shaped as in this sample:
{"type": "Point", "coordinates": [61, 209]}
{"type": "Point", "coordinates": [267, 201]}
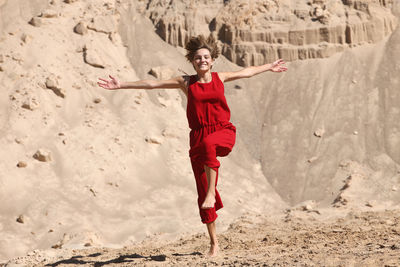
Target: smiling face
{"type": "Point", "coordinates": [202, 60]}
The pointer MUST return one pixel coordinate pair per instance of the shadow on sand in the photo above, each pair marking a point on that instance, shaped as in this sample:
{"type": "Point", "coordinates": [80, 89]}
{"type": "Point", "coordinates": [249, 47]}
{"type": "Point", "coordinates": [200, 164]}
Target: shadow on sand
{"type": "Point", "coordinates": [83, 260]}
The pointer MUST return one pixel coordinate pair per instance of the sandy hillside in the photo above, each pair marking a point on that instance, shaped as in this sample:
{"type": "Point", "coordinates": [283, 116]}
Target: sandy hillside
{"type": "Point", "coordinates": [81, 167]}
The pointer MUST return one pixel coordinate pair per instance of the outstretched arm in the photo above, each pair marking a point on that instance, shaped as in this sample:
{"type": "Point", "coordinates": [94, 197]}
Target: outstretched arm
{"type": "Point", "coordinates": [248, 72]}
{"type": "Point", "coordinates": [114, 84]}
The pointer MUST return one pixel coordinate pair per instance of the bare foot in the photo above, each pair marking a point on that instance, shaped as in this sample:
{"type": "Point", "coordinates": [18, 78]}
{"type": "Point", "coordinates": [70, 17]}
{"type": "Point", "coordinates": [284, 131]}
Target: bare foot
{"type": "Point", "coordinates": [214, 249]}
{"type": "Point", "coordinates": [209, 201]}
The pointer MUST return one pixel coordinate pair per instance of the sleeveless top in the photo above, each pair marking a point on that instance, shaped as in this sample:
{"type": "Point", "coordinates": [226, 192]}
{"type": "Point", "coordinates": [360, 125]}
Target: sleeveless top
{"type": "Point", "coordinates": [206, 104]}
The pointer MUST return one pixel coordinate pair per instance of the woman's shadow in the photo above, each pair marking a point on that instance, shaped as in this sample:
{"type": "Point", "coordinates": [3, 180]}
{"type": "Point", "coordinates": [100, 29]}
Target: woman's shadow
{"type": "Point", "coordinates": [90, 259]}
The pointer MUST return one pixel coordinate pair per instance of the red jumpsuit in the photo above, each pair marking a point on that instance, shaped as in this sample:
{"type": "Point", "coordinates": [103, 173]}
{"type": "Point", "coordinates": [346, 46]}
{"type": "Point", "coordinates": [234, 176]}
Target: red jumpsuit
{"type": "Point", "coordinates": [211, 135]}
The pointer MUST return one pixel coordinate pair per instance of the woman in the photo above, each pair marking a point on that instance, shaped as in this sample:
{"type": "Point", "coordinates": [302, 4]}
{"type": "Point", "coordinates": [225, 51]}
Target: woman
{"type": "Point", "coordinates": [208, 115]}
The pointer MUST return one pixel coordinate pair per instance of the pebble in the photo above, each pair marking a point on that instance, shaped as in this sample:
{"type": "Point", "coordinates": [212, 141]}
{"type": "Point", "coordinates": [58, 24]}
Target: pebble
{"type": "Point", "coordinates": [153, 140]}
{"type": "Point", "coordinates": [81, 28]}
{"type": "Point", "coordinates": [49, 13]}
{"type": "Point", "coordinates": [26, 37]}
{"type": "Point", "coordinates": [93, 58]}
{"type": "Point", "coordinates": [52, 84]}
{"type": "Point", "coordinates": [369, 204]}
{"type": "Point", "coordinates": [30, 104]}
{"type": "Point", "coordinates": [37, 22]}
{"type": "Point", "coordinates": [42, 155]}
{"type": "Point", "coordinates": [312, 159]}
{"type": "Point", "coordinates": [21, 219]}
{"type": "Point", "coordinates": [22, 164]}
{"type": "Point", "coordinates": [319, 132]}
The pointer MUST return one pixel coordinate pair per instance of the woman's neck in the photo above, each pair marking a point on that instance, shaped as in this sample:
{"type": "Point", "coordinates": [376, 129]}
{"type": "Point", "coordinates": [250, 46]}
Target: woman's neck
{"type": "Point", "coordinates": [204, 77]}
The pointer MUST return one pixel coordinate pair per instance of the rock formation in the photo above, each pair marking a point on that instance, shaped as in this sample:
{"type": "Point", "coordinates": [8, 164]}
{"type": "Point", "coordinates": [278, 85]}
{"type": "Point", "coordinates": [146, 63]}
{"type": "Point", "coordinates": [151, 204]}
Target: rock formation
{"type": "Point", "coordinates": [255, 32]}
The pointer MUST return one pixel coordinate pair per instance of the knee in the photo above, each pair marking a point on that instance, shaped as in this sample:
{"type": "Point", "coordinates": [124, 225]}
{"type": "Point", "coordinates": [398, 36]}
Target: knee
{"type": "Point", "coordinates": [208, 146]}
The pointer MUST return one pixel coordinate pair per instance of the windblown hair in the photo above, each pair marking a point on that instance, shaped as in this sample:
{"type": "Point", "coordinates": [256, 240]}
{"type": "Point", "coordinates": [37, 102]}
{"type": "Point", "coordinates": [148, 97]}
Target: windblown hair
{"type": "Point", "coordinates": [198, 42]}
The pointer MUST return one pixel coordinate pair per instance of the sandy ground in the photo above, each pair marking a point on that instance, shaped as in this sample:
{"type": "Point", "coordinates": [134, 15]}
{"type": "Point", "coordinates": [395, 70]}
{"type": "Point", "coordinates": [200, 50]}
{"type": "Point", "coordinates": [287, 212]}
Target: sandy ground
{"type": "Point", "coordinates": [297, 238]}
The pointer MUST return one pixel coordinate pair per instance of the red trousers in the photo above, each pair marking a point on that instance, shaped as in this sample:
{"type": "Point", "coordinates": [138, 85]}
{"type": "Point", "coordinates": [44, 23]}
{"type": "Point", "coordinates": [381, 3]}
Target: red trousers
{"type": "Point", "coordinates": [206, 144]}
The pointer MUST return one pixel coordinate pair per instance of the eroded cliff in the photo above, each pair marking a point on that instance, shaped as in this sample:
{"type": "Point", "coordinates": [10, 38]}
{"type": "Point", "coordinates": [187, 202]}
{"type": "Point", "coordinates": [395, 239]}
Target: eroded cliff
{"type": "Point", "coordinates": [255, 32]}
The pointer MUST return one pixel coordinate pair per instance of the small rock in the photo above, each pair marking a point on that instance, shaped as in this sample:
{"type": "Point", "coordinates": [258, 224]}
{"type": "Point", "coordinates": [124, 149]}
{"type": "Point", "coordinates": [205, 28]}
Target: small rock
{"type": "Point", "coordinates": [162, 72]}
{"type": "Point", "coordinates": [153, 140]}
{"type": "Point", "coordinates": [92, 57]}
{"type": "Point", "coordinates": [56, 246]}
{"type": "Point", "coordinates": [238, 87]}
{"type": "Point", "coordinates": [52, 84]}
{"type": "Point", "coordinates": [17, 57]}
{"type": "Point", "coordinates": [36, 21]}
{"type": "Point", "coordinates": [1, 69]}
{"type": "Point", "coordinates": [312, 159]}
{"type": "Point", "coordinates": [319, 132]}
{"type": "Point", "coordinates": [355, 133]}
{"type": "Point", "coordinates": [93, 192]}
{"type": "Point", "coordinates": [81, 28]}
{"type": "Point", "coordinates": [344, 163]}
{"type": "Point", "coordinates": [88, 244]}
{"type": "Point", "coordinates": [22, 164]}
{"type": "Point", "coordinates": [30, 104]}
{"type": "Point", "coordinates": [394, 188]}
{"type": "Point", "coordinates": [354, 81]}
{"type": "Point", "coordinates": [105, 24]}
{"type": "Point", "coordinates": [389, 222]}
{"type": "Point", "coordinates": [21, 219]}
{"type": "Point", "coordinates": [31, 253]}
{"type": "Point", "coordinates": [308, 207]}
{"type": "Point", "coordinates": [69, 1]}
{"type": "Point", "coordinates": [97, 100]}
{"type": "Point", "coordinates": [49, 13]}
{"type": "Point", "coordinates": [369, 204]}
{"type": "Point", "coordinates": [79, 49]}
{"type": "Point", "coordinates": [42, 155]}
{"type": "Point", "coordinates": [26, 37]}
{"type": "Point", "coordinates": [1, 58]}
{"type": "Point", "coordinates": [51, 231]}
{"type": "Point", "coordinates": [18, 141]}
{"type": "Point", "coordinates": [169, 132]}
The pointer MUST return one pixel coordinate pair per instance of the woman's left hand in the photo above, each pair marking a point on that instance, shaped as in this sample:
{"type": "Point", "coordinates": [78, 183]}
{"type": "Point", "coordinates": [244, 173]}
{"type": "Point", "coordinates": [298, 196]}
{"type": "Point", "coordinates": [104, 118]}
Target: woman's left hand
{"type": "Point", "coordinates": [277, 66]}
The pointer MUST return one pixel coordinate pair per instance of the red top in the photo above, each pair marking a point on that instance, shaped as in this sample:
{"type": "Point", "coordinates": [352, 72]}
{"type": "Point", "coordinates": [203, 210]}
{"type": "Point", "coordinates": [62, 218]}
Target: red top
{"type": "Point", "coordinates": [206, 103]}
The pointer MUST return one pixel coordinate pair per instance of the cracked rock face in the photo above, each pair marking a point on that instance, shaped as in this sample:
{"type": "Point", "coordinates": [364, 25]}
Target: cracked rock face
{"type": "Point", "coordinates": [255, 32]}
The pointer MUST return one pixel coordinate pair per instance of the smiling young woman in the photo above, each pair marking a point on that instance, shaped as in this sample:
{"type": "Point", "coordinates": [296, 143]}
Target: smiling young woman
{"type": "Point", "coordinates": [212, 134]}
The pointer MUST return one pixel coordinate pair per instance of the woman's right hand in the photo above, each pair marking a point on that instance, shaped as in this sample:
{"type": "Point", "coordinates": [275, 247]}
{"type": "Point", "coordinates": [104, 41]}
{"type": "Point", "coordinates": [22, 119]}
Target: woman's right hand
{"type": "Point", "coordinates": [109, 84]}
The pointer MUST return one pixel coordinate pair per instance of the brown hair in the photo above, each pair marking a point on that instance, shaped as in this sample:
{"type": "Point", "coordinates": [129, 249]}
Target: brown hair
{"type": "Point", "coordinates": [198, 42]}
